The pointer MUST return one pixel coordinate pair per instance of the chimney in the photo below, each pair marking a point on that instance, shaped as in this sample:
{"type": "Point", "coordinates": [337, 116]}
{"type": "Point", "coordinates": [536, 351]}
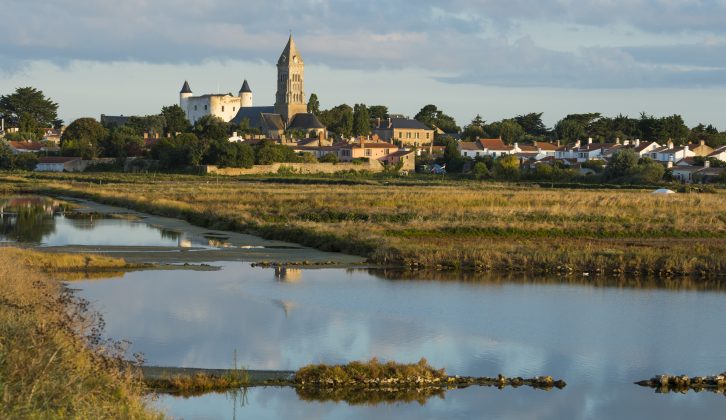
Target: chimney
{"type": "Point", "coordinates": [577, 143]}
{"type": "Point", "coordinates": [362, 142]}
{"type": "Point", "coordinates": [617, 140]}
{"type": "Point", "coordinates": [589, 140]}
{"type": "Point", "coordinates": [146, 135]}
{"type": "Point", "coordinates": [390, 123]}
{"type": "Point", "coordinates": [670, 143]}
{"type": "Point", "coordinates": [558, 143]}
{"type": "Point", "coordinates": [706, 163]}
{"type": "Point", "coordinates": [516, 147]}
{"type": "Point", "coordinates": [378, 122]}
{"type": "Point", "coordinates": [637, 142]}
{"type": "Point", "coordinates": [669, 165]}
{"type": "Point", "coordinates": [703, 142]}
{"type": "Point", "coordinates": [321, 135]}
{"type": "Point", "coordinates": [234, 134]}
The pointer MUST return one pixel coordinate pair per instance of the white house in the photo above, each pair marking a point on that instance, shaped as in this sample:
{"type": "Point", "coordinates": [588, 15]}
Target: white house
{"type": "Point", "coordinates": [484, 147]}
{"type": "Point", "coordinates": [59, 164]}
{"type": "Point", "coordinates": [719, 154]}
{"type": "Point", "coordinates": [670, 153]}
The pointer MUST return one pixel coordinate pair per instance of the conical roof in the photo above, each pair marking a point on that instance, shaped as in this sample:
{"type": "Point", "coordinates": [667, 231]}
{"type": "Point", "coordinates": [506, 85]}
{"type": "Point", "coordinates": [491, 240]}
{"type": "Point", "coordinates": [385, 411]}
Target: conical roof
{"type": "Point", "coordinates": [186, 88]}
{"type": "Point", "coordinates": [245, 88]}
{"type": "Point", "coordinates": [290, 54]}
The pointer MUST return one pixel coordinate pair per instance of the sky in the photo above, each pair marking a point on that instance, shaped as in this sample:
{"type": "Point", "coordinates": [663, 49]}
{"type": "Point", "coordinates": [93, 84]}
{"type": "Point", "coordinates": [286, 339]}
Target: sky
{"type": "Point", "coordinates": [496, 58]}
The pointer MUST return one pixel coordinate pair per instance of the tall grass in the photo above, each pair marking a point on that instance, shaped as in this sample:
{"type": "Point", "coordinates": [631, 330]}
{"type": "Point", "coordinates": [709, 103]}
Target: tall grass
{"type": "Point", "coordinates": [53, 363]}
{"type": "Point", "coordinates": [445, 224]}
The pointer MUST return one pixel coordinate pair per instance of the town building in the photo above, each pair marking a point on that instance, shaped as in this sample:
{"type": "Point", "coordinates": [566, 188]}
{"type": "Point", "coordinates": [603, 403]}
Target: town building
{"type": "Point", "coordinates": [289, 113]}
{"type": "Point", "coordinates": [59, 164]}
{"type": "Point", "coordinates": [404, 131]}
{"type": "Point", "coordinates": [484, 147]}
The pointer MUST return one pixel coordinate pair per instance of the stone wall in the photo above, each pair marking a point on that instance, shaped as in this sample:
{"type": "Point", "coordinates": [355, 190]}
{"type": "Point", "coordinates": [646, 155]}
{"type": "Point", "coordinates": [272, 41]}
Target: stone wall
{"type": "Point", "coordinates": [300, 168]}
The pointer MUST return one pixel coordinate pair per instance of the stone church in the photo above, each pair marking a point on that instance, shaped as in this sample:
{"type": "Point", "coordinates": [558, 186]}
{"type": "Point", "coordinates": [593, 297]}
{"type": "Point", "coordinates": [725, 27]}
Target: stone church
{"type": "Point", "coordinates": [288, 114]}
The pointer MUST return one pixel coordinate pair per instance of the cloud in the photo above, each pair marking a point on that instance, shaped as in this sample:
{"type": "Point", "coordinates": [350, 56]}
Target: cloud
{"type": "Point", "coordinates": [489, 42]}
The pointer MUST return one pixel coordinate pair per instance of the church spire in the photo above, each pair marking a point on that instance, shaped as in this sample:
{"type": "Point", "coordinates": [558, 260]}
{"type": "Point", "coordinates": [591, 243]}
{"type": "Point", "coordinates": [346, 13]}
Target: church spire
{"type": "Point", "coordinates": [290, 54]}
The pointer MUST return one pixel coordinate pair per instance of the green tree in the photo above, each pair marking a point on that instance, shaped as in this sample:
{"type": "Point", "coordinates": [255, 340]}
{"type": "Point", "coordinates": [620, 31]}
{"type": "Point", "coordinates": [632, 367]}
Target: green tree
{"type": "Point", "coordinates": [175, 119]}
{"type": "Point", "coordinates": [569, 130]}
{"type": "Point", "coordinates": [178, 152]}
{"type": "Point", "coordinates": [452, 157]}
{"type": "Point", "coordinates": [82, 138]}
{"type": "Point", "coordinates": [122, 142]}
{"type": "Point", "coordinates": [314, 104]}
{"type": "Point", "coordinates": [339, 120]}
{"type": "Point", "coordinates": [224, 153]}
{"type": "Point", "coordinates": [507, 167]}
{"type": "Point", "coordinates": [378, 111]}
{"type": "Point", "coordinates": [532, 123]}
{"type": "Point", "coordinates": [674, 128]}
{"type": "Point", "coordinates": [211, 127]}
{"type": "Point", "coordinates": [151, 124]}
{"type": "Point", "coordinates": [509, 131]}
{"type": "Point", "coordinates": [361, 120]}
{"type": "Point", "coordinates": [647, 171]}
{"type": "Point", "coordinates": [330, 158]}
{"type": "Point", "coordinates": [6, 156]}
{"type": "Point", "coordinates": [621, 163]}
{"type": "Point", "coordinates": [28, 100]}
{"type": "Point", "coordinates": [269, 152]}
{"type": "Point", "coordinates": [25, 161]}
{"type": "Point", "coordinates": [480, 170]}
{"type": "Point", "coordinates": [433, 117]}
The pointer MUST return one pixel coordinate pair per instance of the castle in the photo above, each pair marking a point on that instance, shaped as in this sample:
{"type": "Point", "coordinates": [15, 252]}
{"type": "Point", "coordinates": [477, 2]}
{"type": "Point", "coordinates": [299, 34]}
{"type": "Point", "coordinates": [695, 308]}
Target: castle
{"type": "Point", "coordinates": [288, 114]}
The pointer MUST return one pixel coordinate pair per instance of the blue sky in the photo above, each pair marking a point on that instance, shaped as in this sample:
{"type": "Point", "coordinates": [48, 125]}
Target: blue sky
{"type": "Point", "coordinates": [497, 58]}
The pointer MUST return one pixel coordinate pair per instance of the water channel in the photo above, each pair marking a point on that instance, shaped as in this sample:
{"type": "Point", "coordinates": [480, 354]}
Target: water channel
{"type": "Point", "coordinates": [600, 336]}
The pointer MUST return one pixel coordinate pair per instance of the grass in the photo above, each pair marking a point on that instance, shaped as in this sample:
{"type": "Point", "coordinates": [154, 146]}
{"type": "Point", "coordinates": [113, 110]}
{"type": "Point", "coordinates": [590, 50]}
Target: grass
{"type": "Point", "coordinates": [435, 223]}
{"type": "Point", "coordinates": [371, 372]}
{"type": "Point", "coordinates": [62, 263]}
{"type": "Point", "coordinates": [53, 363]}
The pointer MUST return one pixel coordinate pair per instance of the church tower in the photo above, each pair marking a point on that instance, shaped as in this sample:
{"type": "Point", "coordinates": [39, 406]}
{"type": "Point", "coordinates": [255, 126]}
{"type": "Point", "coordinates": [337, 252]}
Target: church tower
{"type": "Point", "coordinates": [290, 98]}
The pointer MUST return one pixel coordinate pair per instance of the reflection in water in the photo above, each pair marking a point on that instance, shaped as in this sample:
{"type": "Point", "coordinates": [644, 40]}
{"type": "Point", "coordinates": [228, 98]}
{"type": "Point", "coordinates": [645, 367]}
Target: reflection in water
{"type": "Point", "coordinates": [494, 279]}
{"type": "Point", "coordinates": [370, 397]}
{"type": "Point", "coordinates": [26, 219]}
{"type": "Point", "coordinates": [288, 275]}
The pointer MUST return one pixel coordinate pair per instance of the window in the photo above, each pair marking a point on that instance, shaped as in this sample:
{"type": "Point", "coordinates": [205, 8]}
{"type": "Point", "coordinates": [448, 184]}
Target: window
{"type": "Point", "coordinates": [408, 134]}
{"type": "Point", "coordinates": [387, 152]}
{"type": "Point", "coordinates": [233, 109]}
{"type": "Point", "coordinates": [400, 134]}
{"type": "Point", "coordinates": [427, 136]}
{"type": "Point", "coordinates": [222, 108]}
{"type": "Point", "coordinates": [368, 152]}
{"type": "Point", "coordinates": [417, 135]}
{"type": "Point", "coordinates": [205, 107]}
{"type": "Point", "coordinates": [195, 107]}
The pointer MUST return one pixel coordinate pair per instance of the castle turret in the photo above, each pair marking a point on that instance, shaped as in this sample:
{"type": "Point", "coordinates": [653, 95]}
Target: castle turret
{"type": "Point", "coordinates": [184, 95]}
{"type": "Point", "coordinates": [245, 94]}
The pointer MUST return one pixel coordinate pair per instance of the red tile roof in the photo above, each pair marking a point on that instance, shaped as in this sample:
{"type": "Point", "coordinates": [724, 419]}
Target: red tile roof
{"type": "Point", "coordinates": [494, 144]}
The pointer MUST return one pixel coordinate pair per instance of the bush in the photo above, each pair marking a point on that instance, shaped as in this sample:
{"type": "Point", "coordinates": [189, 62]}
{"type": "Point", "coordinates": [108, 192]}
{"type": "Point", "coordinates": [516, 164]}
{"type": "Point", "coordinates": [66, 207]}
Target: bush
{"type": "Point", "coordinates": [330, 158]}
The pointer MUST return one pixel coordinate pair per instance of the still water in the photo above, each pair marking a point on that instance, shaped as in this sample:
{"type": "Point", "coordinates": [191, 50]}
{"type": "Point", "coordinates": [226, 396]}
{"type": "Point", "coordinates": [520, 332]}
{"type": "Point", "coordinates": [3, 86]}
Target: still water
{"type": "Point", "coordinates": [599, 339]}
{"type": "Point", "coordinates": [598, 336]}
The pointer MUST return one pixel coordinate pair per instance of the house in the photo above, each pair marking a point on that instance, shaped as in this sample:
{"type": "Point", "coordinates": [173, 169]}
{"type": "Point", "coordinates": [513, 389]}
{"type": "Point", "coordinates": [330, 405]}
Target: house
{"type": "Point", "coordinates": [363, 148]}
{"type": "Point", "coordinates": [702, 174]}
{"type": "Point", "coordinates": [52, 135]}
{"type": "Point", "coordinates": [25, 146]}
{"type": "Point", "coordinates": [593, 151]}
{"type": "Point", "coordinates": [700, 148]}
{"type": "Point", "coordinates": [403, 131]}
{"type": "Point", "coordinates": [59, 164]}
{"type": "Point", "coordinates": [719, 154]}
{"type": "Point", "coordinates": [484, 147]}
{"type": "Point", "coordinates": [643, 148]}
{"type": "Point", "coordinates": [670, 153]}
{"type": "Point", "coordinates": [407, 158]}
{"type": "Point", "coordinates": [568, 151]}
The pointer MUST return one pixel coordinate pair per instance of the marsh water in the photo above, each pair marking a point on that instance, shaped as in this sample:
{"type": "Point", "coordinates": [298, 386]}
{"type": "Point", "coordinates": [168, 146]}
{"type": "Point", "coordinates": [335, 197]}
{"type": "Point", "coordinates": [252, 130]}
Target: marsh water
{"type": "Point", "coordinates": [599, 336]}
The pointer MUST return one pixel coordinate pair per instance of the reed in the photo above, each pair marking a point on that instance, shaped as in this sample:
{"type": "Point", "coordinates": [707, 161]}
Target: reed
{"type": "Point", "coordinates": [436, 223]}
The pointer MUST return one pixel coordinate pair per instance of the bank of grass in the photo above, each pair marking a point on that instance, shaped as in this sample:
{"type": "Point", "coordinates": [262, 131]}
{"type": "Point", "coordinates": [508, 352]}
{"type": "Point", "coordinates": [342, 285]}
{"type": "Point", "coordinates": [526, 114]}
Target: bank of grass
{"type": "Point", "coordinates": [373, 371]}
{"type": "Point", "coordinates": [53, 363]}
{"type": "Point", "coordinates": [62, 263]}
{"type": "Point", "coordinates": [459, 224]}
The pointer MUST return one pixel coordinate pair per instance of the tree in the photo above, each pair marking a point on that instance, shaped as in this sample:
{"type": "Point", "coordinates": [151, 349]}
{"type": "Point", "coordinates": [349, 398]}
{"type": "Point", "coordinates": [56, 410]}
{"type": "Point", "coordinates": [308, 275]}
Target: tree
{"type": "Point", "coordinates": [180, 151]}
{"type": "Point", "coordinates": [509, 131]}
{"type": "Point", "coordinates": [674, 128]}
{"type": "Point", "coordinates": [82, 138]}
{"type": "Point", "coordinates": [330, 158]}
{"type": "Point", "coordinates": [647, 171]}
{"type": "Point", "coordinates": [314, 104]}
{"type": "Point", "coordinates": [224, 153]}
{"type": "Point", "coordinates": [152, 124]}
{"type": "Point", "coordinates": [269, 152]}
{"type": "Point", "coordinates": [569, 130]}
{"type": "Point", "coordinates": [6, 155]}
{"type": "Point", "coordinates": [361, 120]}
{"type": "Point", "coordinates": [621, 163]}
{"type": "Point", "coordinates": [121, 143]}
{"type": "Point", "coordinates": [175, 119]}
{"type": "Point", "coordinates": [378, 111]}
{"type": "Point", "coordinates": [339, 120]}
{"type": "Point", "coordinates": [211, 127]}
{"type": "Point", "coordinates": [532, 123]}
{"type": "Point", "coordinates": [433, 117]}
{"type": "Point", "coordinates": [452, 158]}
{"type": "Point", "coordinates": [29, 101]}
{"type": "Point", "coordinates": [507, 167]}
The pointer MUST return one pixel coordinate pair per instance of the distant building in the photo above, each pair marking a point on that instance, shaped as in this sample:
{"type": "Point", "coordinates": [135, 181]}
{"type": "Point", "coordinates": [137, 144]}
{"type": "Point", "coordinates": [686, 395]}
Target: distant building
{"type": "Point", "coordinates": [288, 113]}
{"type": "Point", "coordinates": [485, 147]}
{"type": "Point", "coordinates": [404, 131]}
{"type": "Point", "coordinates": [59, 164]}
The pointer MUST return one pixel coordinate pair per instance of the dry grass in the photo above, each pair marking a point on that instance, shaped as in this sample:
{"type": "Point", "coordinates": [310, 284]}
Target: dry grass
{"type": "Point", "coordinates": [457, 224]}
{"type": "Point", "coordinates": [57, 262]}
{"type": "Point", "coordinates": [53, 363]}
